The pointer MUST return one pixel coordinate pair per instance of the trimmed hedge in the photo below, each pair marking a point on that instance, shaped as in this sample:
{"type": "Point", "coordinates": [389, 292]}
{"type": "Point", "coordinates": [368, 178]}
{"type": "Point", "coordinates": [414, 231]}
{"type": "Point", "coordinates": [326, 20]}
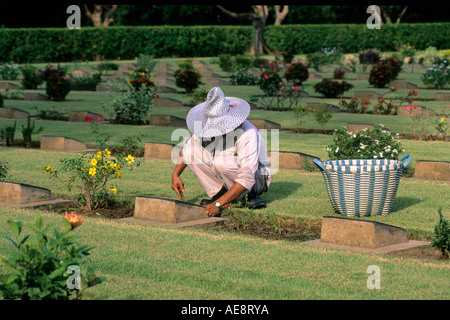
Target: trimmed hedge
{"type": "Point", "coordinates": [30, 45]}
{"type": "Point", "coordinates": [355, 37]}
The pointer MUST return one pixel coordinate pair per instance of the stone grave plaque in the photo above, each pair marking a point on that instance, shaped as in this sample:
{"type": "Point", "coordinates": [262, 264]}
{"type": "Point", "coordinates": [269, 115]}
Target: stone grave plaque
{"type": "Point", "coordinates": [315, 76]}
{"type": "Point", "coordinates": [163, 81]}
{"type": "Point", "coordinates": [13, 113]}
{"type": "Point", "coordinates": [371, 95]}
{"type": "Point", "coordinates": [290, 160]}
{"type": "Point", "coordinates": [165, 210]}
{"type": "Point", "coordinates": [34, 96]}
{"type": "Point", "coordinates": [8, 85]}
{"type": "Point", "coordinates": [265, 124]}
{"type": "Point", "coordinates": [436, 170]}
{"type": "Point", "coordinates": [164, 151]}
{"type": "Point", "coordinates": [353, 127]}
{"type": "Point", "coordinates": [163, 74]}
{"type": "Point", "coordinates": [61, 143]}
{"type": "Point", "coordinates": [209, 74]}
{"type": "Point", "coordinates": [415, 110]}
{"type": "Point", "coordinates": [80, 116]}
{"type": "Point", "coordinates": [103, 87]}
{"type": "Point", "coordinates": [166, 89]}
{"type": "Point", "coordinates": [318, 105]}
{"type": "Point", "coordinates": [18, 193]}
{"type": "Point", "coordinates": [360, 233]}
{"type": "Point", "coordinates": [79, 73]}
{"type": "Point", "coordinates": [404, 85]}
{"type": "Point", "coordinates": [167, 121]}
{"type": "Point", "coordinates": [167, 102]}
{"type": "Point", "coordinates": [442, 96]}
{"type": "Point", "coordinates": [362, 76]}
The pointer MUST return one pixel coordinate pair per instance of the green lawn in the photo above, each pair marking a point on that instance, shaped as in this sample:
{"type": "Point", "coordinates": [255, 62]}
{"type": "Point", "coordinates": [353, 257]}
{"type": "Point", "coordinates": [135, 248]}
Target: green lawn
{"type": "Point", "coordinates": [150, 262]}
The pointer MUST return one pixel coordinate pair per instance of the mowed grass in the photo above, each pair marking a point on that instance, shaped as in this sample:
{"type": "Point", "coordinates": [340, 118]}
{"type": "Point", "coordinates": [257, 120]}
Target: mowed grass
{"type": "Point", "coordinates": [150, 262]}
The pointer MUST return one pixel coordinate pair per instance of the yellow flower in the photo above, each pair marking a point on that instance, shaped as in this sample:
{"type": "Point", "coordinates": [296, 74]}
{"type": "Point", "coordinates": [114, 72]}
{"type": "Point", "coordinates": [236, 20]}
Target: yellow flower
{"type": "Point", "coordinates": [119, 174]}
{"type": "Point", "coordinates": [48, 170]}
{"type": "Point", "coordinates": [130, 159]}
{"type": "Point", "coordinates": [115, 165]}
{"type": "Point", "coordinates": [92, 171]}
{"type": "Point", "coordinates": [114, 190]}
{"type": "Point", "coordinates": [107, 153]}
{"type": "Point", "coordinates": [99, 155]}
{"type": "Point", "coordinates": [94, 162]}
{"type": "Point", "coordinates": [442, 119]}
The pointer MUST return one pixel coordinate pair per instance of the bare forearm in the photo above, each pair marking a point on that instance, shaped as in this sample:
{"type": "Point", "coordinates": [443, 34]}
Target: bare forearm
{"type": "Point", "coordinates": [235, 191]}
{"type": "Point", "coordinates": [179, 168]}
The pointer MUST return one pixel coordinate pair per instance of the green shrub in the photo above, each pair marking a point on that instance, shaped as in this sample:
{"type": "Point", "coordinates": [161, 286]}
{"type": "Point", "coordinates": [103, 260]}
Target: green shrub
{"type": "Point", "coordinates": [243, 62]}
{"type": "Point", "coordinates": [32, 79]}
{"type": "Point", "coordinates": [128, 105]}
{"type": "Point", "coordinates": [243, 77]}
{"type": "Point", "coordinates": [187, 77]}
{"type": "Point", "coordinates": [29, 130]}
{"type": "Point", "coordinates": [58, 87]}
{"type": "Point", "coordinates": [107, 66]}
{"type": "Point", "coordinates": [145, 63]}
{"type": "Point", "coordinates": [437, 76]}
{"type": "Point", "coordinates": [270, 82]}
{"type": "Point", "coordinates": [7, 134]}
{"type": "Point", "coordinates": [86, 83]}
{"type": "Point", "coordinates": [41, 266]}
{"type": "Point", "coordinates": [384, 72]}
{"type": "Point", "coordinates": [9, 71]}
{"type": "Point", "coordinates": [297, 73]}
{"type": "Point", "coordinates": [226, 63]}
{"type": "Point", "coordinates": [332, 89]}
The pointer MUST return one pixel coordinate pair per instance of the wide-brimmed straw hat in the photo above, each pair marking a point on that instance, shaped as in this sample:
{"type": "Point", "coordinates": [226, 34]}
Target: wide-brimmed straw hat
{"type": "Point", "coordinates": [218, 115]}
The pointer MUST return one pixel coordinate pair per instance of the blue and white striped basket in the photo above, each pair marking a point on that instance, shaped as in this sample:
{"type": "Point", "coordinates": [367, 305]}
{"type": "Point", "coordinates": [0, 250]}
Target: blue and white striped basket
{"type": "Point", "coordinates": [362, 187]}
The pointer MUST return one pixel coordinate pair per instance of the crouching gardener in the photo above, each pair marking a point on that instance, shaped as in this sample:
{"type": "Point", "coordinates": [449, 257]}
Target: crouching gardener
{"type": "Point", "coordinates": [226, 153]}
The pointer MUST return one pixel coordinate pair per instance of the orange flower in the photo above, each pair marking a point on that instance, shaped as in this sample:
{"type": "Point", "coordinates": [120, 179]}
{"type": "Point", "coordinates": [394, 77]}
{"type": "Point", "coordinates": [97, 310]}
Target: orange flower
{"type": "Point", "coordinates": [74, 219]}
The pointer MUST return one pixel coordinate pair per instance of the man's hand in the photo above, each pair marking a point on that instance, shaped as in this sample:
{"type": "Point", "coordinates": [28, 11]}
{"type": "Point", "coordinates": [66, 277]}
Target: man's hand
{"type": "Point", "coordinates": [212, 210]}
{"type": "Point", "coordinates": [177, 185]}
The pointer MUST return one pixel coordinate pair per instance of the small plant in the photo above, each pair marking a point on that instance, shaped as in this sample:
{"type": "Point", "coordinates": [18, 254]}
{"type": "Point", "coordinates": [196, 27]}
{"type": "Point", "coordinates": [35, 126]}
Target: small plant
{"type": "Point", "coordinates": [50, 114]}
{"type": "Point", "coordinates": [130, 106]}
{"type": "Point", "coordinates": [90, 175]}
{"type": "Point", "coordinates": [29, 130]}
{"type": "Point", "coordinates": [243, 78]}
{"type": "Point", "coordinates": [368, 57]}
{"type": "Point", "coordinates": [42, 264]}
{"type": "Point", "coordinates": [107, 66]}
{"type": "Point", "coordinates": [32, 79]}
{"type": "Point", "coordinates": [145, 63]}
{"type": "Point", "coordinates": [332, 89]}
{"type": "Point", "coordinates": [131, 143]}
{"type": "Point", "coordinates": [338, 73]}
{"type": "Point", "coordinates": [374, 143]}
{"type": "Point", "coordinates": [7, 134]}
{"type": "Point", "coordinates": [243, 62]}
{"type": "Point", "coordinates": [355, 105]}
{"type": "Point", "coordinates": [297, 73]}
{"type": "Point", "coordinates": [408, 52]}
{"type": "Point", "coordinates": [3, 169]}
{"type": "Point", "coordinates": [9, 71]}
{"type": "Point", "coordinates": [300, 111]}
{"type": "Point", "coordinates": [441, 239]}
{"type": "Point", "coordinates": [290, 95]}
{"type": "Point", "coordinates": [260, 63]}
{"type": "Point", "coordinates": [437, 76]}
{"type": "Point", "coordinates": [198, 96]}
{"type": "Point", "coordinates": [316, 60]}
{"type": "Point", "coordinates": [441, 124]}
{"type": "Point", "coordinates": [140, 78]}
{"type": "Point", "coordinates": [322, 115]}
{"type": "Point", "coordinates": [187, 77]}
{"type": "Point", "coordinates": [384, 72]}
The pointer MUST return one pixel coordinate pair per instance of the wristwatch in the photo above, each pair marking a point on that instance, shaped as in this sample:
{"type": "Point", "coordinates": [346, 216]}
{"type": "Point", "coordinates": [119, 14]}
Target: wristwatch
{"type": "Point", "coordinates": [217, 204]}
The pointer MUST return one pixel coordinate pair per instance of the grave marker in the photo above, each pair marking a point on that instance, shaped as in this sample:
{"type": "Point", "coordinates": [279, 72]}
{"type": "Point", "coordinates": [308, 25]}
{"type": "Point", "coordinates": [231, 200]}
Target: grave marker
{"type": "Point", "coordinates": [415, 110]}
{"type": "Point", "coordinates": [13, 113]}
{"type": "Point", "coordinates": [265, 124]}
{"type": "Point", "coordinates": [80, 116]}
{"type": "Point", "coordinates": [371, 95]}
{"type": "Point", "coordinates": [442, 96]}
{"type": "Point", "coordinates": [404, 85]}
{"type": "Point", "coordinates": [318, 105]}
{"type": "Point", "coordinates": [163, 151]}
{"type": "Point", "coordinates": [290, 160]}
{"type": "Point", "coordinates": [167, 102]}
{"type": "Point", "coordinates": [167, 121]}
{"type": "Point", "coordinates": [436, 170]}
{"type": "Point", "coordinates": [61, 143]}
{"type": "Point", "coordinates": [353, 127]}
{"type": "Point", "coordinates": [8, 85]}
{"type": "Point", "coordinates": [34, 96]}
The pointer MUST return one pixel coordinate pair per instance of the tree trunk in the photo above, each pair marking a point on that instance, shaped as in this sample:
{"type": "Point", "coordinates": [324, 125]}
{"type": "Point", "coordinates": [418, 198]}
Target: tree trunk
{"type": "Point", "coordinates": [280, 15]}
{"type": "Point", "coordinates": [96, 15]}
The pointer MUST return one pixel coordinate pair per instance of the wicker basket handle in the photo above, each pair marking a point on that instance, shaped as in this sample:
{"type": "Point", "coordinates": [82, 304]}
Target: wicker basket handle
{"type": "Point", "coordinates": [407, 159]}
{"type": "Point", "coordinates": [319, 164]}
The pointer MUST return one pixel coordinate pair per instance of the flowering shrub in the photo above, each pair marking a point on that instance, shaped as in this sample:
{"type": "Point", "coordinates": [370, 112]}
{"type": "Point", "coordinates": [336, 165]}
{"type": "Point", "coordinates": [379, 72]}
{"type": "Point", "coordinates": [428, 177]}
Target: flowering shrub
{"type": "Point", "coordinates": [384, 72]}
{"type": "Point", "coordinates": [243, 78]}
{"type": "Point", "coordinates": [42, 264]}
{"type": "Point", "coordinates": [187, 77]}
{"type": "Point", "coordinates": [137, 79]}
{"type": "Point", "coordinates": [316, 60]}
{"type": "Point", "coordinates": [369, 57]}
{"type": "Point", "coordinates": [226, 63]}
{"type": "Point", "coordinates": [437, 76]}
{"type": "Point", "coordinates": [3, 169]}
{"type": "Point", "coordinates": [364, 144]}
{"type": "Point", "coordinates": [8, 71]}
{"type": "Point", "coordinates": [386, 107]}
{"type": "Point", "coordinates": [332, 89]}
{"type": "Point", "coordinates": [50, 71]}
{"type": "Point", "coordinates": [91, 175]}
{"type": "Point", "coordinates": [338, 73]}
{"type": "Point", "coordinates": [57, 87]}
{"type": "Point", "coordinates": [270, 82]}
{"type": "Point", "coordinates": [130, 106]}
{"type": "Point", "coordinates": [31, 77]}
{"type": "Point", "coordinates": [332, 55]}
{"type": "Point", "coordinates": [145, 63]}
{"type": "Point", "coordinates": [297, 73]}
{"type": "Point", "coordinates": [289, 96]}
{"type": "Point", "coordinates": [355, 105]}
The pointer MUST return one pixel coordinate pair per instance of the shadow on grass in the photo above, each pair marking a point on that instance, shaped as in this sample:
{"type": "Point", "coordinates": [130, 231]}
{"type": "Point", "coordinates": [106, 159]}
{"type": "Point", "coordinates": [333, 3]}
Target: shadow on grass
{"type": "Point", "coordinates": [280, 190]}
{"type": "Point", "coordinates": [401, 203]}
